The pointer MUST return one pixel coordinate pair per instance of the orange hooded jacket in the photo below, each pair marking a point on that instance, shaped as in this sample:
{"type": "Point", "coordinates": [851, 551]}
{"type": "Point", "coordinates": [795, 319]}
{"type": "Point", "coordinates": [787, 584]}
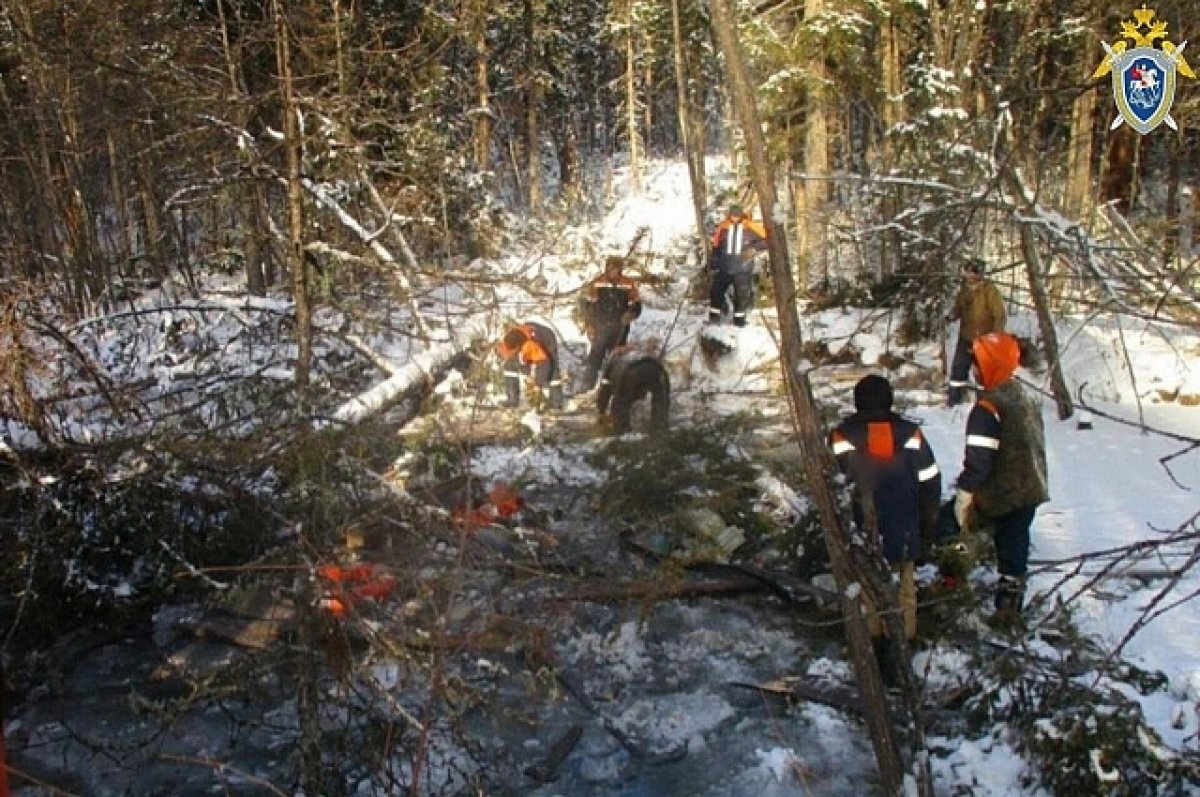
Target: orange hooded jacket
{"type": "Point", "coordinates": [530, 350]}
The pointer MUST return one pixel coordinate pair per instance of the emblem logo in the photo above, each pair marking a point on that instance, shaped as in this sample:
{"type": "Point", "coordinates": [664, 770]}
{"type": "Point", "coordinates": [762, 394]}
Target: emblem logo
{"type": "Point", "coordinates": [1143, 78]}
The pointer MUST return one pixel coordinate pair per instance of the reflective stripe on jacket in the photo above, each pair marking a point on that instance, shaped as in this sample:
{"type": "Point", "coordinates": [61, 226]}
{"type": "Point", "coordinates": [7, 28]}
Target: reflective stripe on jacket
{"type": "Point", "coordinates": [1005, 460]}
{"type": "Point", "coordinates": [888, 455]}
{"type": "Point", "coordinates": [734, 243]}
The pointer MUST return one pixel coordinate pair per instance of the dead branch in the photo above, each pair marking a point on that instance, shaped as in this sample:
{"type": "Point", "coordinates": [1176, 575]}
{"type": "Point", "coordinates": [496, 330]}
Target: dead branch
{"type": "Point", "coordinates": [655, 590]}
{"type": "Point", "coordinates": [547, 771]}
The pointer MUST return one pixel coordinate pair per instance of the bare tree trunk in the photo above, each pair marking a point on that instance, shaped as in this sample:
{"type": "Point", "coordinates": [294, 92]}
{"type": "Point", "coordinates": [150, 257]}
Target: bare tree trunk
{"type": "Point", "coordinates": [693, 143]}
{"type": "Point", "coordinates": [481, 137]}
{"type": "Point", "coordinates": [1120, 169]}
{"type": "Point", "coordinates": [1037, 290]}
{"type": "Point", "coordinates": [308, 685]}
{"type": "Point", "coordinates": [255, 251]}
{"type": "Point", "coordinates": [631, 101]}
{"type": "Point", "coordinates": [1077, 202]}
{"type": "Point", "coordinates": [566, 143]}
{"type": "Point", "coordinates": [296, 261]}
{"type": "Point", "coordinates": [813, 188]}
{"type": "Point", "coordinates": [892, 60]}
{"type": "Point", "coordinates": [820, 467]}
{"type": "Point", "coordinates": [151, 222]}
{"type": "Point", "coordinates": [647, 86]}
{"type": "Point", "coordinates": [120, 206]}
{"type": "Point", "coordinates": [533, 101]}
{"type": "Point", "coordinates": [250, 212]}
{"type": "Point", "coordinates": [339, 47]}
{"type": "Point", "coordinates": [1174, 181]}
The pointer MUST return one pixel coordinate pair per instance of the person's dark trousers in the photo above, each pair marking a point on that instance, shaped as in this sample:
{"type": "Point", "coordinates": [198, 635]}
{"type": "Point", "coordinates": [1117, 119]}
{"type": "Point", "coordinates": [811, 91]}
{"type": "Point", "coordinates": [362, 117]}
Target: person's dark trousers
{"type": "Point", "coordinates": [512, 381]}
{"type": "Point", "coordinates": [545, 376]}
{"type": "Point", "coordinates": [1011, 535]}
{"type": "Point", "coordinates": [721, 283]}
{"type": "Point", "coordinates": [960, 372]}
{"type": "Point", "coordinates": [609, 334]}
{"type": "Point", "coordinates": [743, 297]}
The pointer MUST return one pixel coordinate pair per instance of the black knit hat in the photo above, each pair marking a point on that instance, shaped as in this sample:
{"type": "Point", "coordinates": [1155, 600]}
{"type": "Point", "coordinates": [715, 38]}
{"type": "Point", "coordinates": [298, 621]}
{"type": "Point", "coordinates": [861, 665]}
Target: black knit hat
{"type": "Point", "coordinates": [872, 393]}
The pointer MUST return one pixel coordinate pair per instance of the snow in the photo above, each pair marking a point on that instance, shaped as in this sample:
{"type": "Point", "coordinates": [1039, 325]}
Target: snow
{"type": "Point", "coordinates": [1111, 485]}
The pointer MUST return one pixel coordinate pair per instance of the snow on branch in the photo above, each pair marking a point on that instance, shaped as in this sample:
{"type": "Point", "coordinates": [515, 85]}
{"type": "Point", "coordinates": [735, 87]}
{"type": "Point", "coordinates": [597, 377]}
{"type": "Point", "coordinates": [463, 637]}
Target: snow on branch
{"type": "Point", "coordinates": [370, 239]}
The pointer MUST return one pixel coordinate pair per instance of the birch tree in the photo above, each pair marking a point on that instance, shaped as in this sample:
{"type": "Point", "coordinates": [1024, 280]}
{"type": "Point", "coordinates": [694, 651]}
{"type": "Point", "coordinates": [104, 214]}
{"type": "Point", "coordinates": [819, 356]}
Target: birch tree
{"type": "Point", "coordinates": [691, 130]}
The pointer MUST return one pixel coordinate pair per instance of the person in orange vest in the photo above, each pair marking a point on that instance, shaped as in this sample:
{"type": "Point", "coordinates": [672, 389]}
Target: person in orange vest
{"type": "Point", "coordinates": [736, 240]}
{"type": "Point", "coordinates": [895, 477]}
{"type": "Point", "coordinates": [530, 348]}
{"type": "Point", "coordinates": [609, 305]}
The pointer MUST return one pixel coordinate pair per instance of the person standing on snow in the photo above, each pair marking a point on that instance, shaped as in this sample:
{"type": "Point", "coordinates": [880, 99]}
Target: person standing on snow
{"type": "Point", "coordinates": [631, 374]}
{"type": "Point", "coordinates": [736, 240]}
{"type": "Point", "coordinates": [980, 309]}
{"type": "Point", "coordinates": [609, 304]}
{"type": "Point", "coordinates": [895, 477]}
{"type": "Point", "coordinates": [1004, 476]}
{"type": "Point", "coordinates": [530, 348]}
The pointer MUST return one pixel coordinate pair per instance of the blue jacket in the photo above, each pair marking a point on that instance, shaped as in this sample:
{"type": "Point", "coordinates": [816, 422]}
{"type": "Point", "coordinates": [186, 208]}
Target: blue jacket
{"type": "Point", "coordinates": [888, 455]}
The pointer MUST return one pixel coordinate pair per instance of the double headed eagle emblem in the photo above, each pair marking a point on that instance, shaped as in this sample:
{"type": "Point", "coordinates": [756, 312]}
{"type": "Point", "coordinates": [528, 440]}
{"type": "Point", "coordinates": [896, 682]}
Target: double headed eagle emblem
{"type": "Point", "coordinates": [1143, 77]}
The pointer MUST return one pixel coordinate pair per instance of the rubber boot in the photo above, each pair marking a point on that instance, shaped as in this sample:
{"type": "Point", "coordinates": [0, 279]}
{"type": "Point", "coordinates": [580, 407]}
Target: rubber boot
{"type": "Point", "coordinates": [1010, 599]}
{"type": "Point", "coordinates": [512, 390]}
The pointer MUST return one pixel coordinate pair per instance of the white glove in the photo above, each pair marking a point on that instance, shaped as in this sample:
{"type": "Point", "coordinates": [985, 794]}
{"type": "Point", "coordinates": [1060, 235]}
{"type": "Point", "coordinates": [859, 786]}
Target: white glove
{"type": "Point", "coordinates": [962, 507]}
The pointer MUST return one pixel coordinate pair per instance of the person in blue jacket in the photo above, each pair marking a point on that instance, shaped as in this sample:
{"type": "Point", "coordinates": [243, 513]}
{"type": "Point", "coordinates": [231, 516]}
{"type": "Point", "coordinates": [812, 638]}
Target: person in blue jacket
{"type": "Point", "coordinates": [896, 480]}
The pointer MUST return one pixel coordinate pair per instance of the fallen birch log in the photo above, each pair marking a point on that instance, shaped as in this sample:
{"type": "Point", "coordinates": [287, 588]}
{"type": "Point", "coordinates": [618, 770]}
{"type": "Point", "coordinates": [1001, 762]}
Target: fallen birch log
{"type": "Point", "coordinates": [417, 373]}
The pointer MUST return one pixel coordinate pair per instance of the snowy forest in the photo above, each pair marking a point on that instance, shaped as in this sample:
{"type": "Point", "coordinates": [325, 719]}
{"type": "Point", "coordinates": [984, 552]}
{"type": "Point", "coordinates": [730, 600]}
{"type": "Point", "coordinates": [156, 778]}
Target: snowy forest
{"type": "Point", "coordinates": [271, 527]}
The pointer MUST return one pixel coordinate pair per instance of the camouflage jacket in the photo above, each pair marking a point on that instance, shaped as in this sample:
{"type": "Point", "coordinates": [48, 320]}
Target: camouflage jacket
{"type": "Point", "coordinates": [1005, 461]}
{"type": "Point", "coordinates": [980, 309]}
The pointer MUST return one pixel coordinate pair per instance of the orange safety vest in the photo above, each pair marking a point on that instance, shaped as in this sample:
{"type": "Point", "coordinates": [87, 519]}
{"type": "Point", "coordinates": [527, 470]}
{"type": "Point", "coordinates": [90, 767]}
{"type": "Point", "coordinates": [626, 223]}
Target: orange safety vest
{"type": "Point", "coordinates": [755, 227]}
{"type": "Point", "coordinates": [531, 352]}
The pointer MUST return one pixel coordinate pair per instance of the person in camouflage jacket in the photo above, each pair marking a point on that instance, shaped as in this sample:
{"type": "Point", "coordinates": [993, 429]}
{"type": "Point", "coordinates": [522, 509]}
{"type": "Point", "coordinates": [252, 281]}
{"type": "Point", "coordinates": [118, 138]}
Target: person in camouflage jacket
{"type": "Point", "coordinates": [1004, 476]}
{"type": "Point", "coordinates": [979, 309]}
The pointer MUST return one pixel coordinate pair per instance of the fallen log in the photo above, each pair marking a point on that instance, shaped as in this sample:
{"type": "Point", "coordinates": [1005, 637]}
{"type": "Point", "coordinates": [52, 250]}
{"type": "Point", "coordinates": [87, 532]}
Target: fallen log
{"type": "Point", "coordinates": [547, 771]}
{"type": "Point", "coordinates": [840, 696]}
{"type": "Point", "coordinates": [657, 590]}
{"type": "Point", "coordinates": [418, 373]}
{"type": "Point", "coordinates": [785, 585]}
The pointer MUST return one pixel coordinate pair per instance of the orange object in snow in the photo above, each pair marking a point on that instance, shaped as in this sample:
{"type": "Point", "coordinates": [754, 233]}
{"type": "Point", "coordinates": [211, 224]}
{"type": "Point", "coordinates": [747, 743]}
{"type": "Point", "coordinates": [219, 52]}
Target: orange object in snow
{"type": "Point", "coordinates": [343, 575]}
{"type": "Point", "coordinates": [502, 502]}
{"type": "Point", "coordinates": [331, 605]}
{"type": "Point", "coordinates": [353, 584]}
{"type": "Point", "coordinates": [505, 500]}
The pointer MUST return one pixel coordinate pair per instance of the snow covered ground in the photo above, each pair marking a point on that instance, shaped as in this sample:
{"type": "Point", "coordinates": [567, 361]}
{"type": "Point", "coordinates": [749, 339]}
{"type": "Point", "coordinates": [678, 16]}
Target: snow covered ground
{"type": "Point", "coordinates": [663, 677]}
{"type": "Point", "coordinates": [1116, 483]}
